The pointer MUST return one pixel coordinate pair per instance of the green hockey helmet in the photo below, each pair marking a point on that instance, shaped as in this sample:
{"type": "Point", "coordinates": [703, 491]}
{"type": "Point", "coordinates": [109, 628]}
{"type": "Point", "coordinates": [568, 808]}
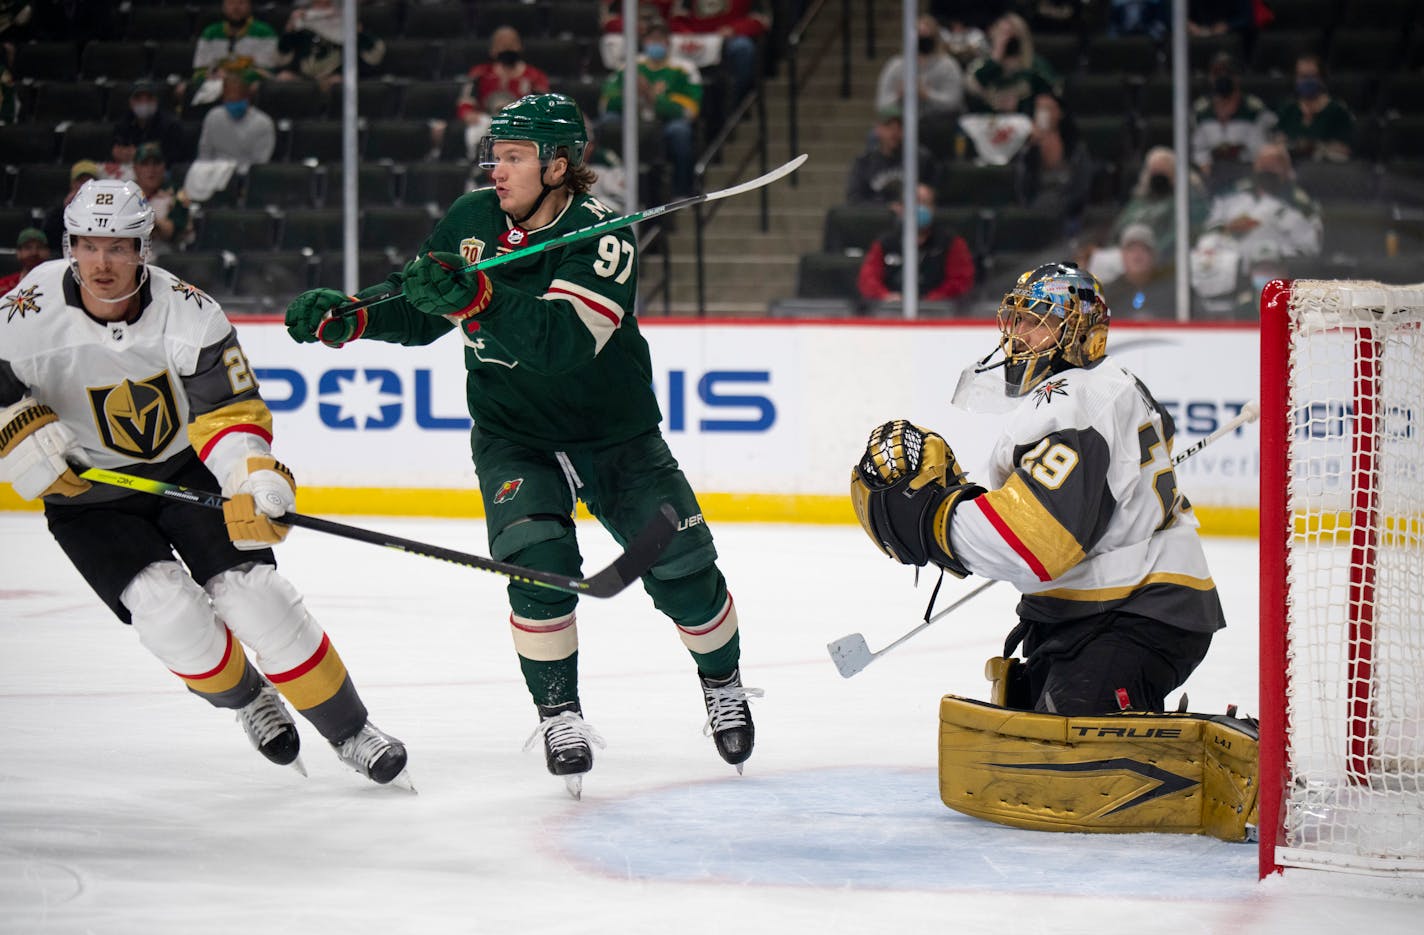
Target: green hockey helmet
{"type": "Point", "coordinates": [550, 121]}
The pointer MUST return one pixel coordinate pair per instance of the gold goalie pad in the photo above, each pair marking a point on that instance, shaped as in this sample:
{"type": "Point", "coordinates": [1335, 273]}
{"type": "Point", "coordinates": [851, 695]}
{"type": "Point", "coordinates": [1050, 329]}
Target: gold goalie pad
{"type": "Point", "coordinates": [1178, 773]}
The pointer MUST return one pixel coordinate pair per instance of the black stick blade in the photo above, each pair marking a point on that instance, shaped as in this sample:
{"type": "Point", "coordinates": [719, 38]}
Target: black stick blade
{"type": "Point", "coordinates": [645, 549]}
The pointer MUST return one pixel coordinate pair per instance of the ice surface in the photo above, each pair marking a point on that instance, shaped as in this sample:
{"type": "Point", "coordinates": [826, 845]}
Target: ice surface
{"type": "Point", "coordinates": [128, 806]}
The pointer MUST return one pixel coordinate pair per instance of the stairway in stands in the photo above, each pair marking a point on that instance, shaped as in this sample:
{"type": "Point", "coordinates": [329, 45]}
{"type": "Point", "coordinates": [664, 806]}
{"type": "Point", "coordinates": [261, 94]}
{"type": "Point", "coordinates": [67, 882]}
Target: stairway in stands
{"type": "Point", "coordinates": [745, 268]}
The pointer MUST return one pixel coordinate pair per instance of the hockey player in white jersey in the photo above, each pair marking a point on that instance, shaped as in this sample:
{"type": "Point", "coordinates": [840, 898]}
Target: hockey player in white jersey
{"type": "Point", "coordinates": [110, 362]}
{"type": "Point", "coordinates": [1080, 510]}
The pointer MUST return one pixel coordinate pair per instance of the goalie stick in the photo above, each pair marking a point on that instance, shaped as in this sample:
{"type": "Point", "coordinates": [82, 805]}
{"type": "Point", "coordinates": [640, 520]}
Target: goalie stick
{"type": "Point", "coordinates": [602, 227]}
{"type": "Point", "coordinates": [851, 653]}
{"type": "Point", "coordinates": [636, 559]}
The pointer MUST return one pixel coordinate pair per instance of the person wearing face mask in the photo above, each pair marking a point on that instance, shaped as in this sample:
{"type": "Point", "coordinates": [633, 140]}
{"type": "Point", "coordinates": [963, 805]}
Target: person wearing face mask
{"type": "Point", "coordinates": [1228, 126]}
{"type": "Point", "coordinates": [311, 46]}
{"type": "Point", "coordinates": [946, 266]}
{"type": "Point", "coordinates": [1263, 221]}
{"type": "Point", "coordinates": [237, 39]}
{"type": "Point", "coordinates": [1152, 201]}
{"type": "Point", "coordinates": [669, 92]}
{"type": "Point", "coordinates": [742, 24]}
{"type": "Point", "coordinates": [237, 130]}
{"type": "Point", "coordinates": [1055, 169]}
{"type": "Point", "coordinates": [147, 122]}
{"type": "Point", "coordinates": [1008, 79]}
{"type": "Point", "coordinates": [505, 77]}
{"type": "Point", "coordinates": [1314, 124]}
{"type": "Point", "coordinates": [941, 80]}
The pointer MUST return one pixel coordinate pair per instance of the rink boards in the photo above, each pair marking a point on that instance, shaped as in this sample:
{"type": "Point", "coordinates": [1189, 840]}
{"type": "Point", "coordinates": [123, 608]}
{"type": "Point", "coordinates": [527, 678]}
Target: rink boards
{"type": "Point", "coordinates": [766, 417]}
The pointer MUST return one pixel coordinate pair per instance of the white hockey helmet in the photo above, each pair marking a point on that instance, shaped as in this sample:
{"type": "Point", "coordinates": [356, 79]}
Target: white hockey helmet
{"type": "Point", "coordinates": [109, 208]}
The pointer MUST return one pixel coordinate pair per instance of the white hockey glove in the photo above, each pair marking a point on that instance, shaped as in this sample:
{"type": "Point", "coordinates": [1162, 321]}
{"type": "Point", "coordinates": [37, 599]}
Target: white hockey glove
{"type": "Point", "coordinates": [264, 490]}
{"type": "Point", "coordinates": [35, 450]}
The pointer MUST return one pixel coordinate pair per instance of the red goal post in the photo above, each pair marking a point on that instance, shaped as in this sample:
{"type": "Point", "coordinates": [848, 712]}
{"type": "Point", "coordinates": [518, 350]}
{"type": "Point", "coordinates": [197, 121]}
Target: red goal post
{"type": "Point", "coordinates": [1342, 577]}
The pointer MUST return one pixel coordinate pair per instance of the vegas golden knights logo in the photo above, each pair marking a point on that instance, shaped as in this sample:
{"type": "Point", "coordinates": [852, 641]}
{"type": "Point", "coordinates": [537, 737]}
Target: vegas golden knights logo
{"type": "Point", "coordinates": [136, 418]}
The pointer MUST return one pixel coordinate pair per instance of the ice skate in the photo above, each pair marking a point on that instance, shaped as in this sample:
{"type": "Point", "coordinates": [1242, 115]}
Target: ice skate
{"type": "Point", "coordinates": [376, 755]}
{"type": "Point", "coordinates": [729, 716]}
{"type": "Point", "coordinates": [568, 743]}
{"type": "Point", "coordinates": [270, 728]}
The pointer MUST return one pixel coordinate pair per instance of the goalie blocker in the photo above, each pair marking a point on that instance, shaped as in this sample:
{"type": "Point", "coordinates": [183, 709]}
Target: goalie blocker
{"type": "Point", "coordinates": [1130, 772]}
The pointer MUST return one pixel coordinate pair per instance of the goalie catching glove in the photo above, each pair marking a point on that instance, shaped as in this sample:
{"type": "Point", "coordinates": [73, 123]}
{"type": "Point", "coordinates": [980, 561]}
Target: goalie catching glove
{"type": "Point", "coordinates": [439, 284]}
{"type": "Point", "coordinates": [35, 451]}
{"type": "Point", "coordinates": [264, 490]}
{"type": "Point", "coordinates": [309, 319]}
{"type": "Point", "coordinates": [904, 491]}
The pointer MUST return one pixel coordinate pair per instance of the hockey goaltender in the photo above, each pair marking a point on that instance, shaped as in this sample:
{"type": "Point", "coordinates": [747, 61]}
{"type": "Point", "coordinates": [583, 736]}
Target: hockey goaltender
{"type": "Point", "coordinates": [1118, 606]}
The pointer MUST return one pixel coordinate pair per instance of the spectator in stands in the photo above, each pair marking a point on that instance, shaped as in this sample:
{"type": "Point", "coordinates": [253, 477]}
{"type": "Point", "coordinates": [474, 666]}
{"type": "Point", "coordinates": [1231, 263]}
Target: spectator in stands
{"type": "Point", "coordinates": [1217, 17]}
{"type": "Point", "coordinates": [238, 40]}
{"type": "Point", "coordinates": [311, 46]}
{"type": "Point", "coordinates": [1314, 124]}
{"type": "Point", "coordinates": [611, 186]}
{"type": "Point", "coordinates": [1009, 78]}
{"type": "Point", "coordinates": [79, 173]}
{"type": "Point", "coordinates": [238, 130]}
{"type": "Point", "coordinates": [1251, 230]}
{"type": "Point", "coordinates": [670, 92]}
{"type": "Point", "coordinates": [610, 13]}
{"type": "Point", "coordinates": [147, 122]}
{"type": "Point", "coordinates": [941, 80]}
{"type": "Point", "coordinates": [1152, 201]}
{"type": "Point", "coordinates": [171, 217]}
{"type": "Point", "coordinates": [1145, 290]}
{"type": "Point", "coordinates": [1054, 169]}
{"type": "Point", "coordinates": [31, 249]}
{"type": "Point", "coordinates": [965, 42]}
{"type": "Point", "coordinates": [504, 78]}
{"type": "Point", "coordinates": [121, 157]}
{"type": "Point", "coordinates": [1151, 18]}
{"type": "Point", "coordinates": [741, 24]}
{"type": "Point", "coordinates": [1228, 126]}
{"type": "Point", "coordinates": [946, 268]}
{"type": "Point", "coordinates": [877, 173]}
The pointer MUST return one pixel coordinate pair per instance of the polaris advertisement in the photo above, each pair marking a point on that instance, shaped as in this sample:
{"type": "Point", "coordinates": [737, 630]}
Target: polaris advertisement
{"type": "Point", "coordinates": [753, 407]}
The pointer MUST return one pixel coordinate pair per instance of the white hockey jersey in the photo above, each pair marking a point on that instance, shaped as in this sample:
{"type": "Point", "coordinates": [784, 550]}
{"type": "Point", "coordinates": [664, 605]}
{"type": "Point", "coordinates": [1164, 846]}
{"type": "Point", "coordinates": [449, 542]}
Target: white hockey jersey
{"type": "Point", "coordinates": [1083, 515]}
{"type": "Point", "coordinates": [140, 397]}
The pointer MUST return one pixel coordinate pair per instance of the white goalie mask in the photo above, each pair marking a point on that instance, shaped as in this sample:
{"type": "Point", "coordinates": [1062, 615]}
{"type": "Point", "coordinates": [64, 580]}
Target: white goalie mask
{"type": "Point", "coordinates": [109, 208]}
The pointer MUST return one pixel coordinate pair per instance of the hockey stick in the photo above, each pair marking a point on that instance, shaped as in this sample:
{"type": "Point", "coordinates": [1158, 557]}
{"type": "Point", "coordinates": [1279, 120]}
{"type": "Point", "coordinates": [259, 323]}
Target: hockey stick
{"type": "Point", "coordinates": [636, 559]}
{"type": "Point", "coordinates": [602, 227]}
{"type": "Point", "coordinates": [851, 653]}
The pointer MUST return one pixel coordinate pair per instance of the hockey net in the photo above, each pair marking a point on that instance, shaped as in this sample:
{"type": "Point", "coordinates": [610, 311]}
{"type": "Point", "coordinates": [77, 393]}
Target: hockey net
{"type": "Point", "coordinates": [1342, 577]}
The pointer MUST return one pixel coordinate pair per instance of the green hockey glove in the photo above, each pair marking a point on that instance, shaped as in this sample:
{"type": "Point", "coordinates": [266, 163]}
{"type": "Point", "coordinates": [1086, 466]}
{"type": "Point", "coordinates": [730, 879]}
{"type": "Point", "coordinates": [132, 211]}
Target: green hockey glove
{"type": "Point", "coordinates": [439, 284]}
{"type": "Point", "coordinates": [309, 319]}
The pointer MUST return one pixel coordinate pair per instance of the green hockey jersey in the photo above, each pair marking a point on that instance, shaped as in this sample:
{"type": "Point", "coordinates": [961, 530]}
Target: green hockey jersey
{"type": "Point", "coordinates": [556, 362]}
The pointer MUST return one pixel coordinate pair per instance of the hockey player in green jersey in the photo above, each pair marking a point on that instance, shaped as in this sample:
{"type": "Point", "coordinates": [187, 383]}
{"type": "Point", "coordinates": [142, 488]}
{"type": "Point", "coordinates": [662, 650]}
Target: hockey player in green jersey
{"type": "Point", "coordinates": [559, 384]}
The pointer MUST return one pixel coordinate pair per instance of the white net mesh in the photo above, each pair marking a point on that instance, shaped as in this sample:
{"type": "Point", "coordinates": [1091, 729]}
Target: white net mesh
{"type": "Point", "coordinates": [1355, 592]}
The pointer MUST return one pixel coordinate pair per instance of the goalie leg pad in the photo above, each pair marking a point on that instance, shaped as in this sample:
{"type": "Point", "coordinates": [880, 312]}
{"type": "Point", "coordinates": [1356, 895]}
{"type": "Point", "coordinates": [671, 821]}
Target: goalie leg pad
{"type": "Point", "coordinates": [266, 613]}
{"type": "Point", "coordinates": [1178, 773]}
{"type": "Point", "coordinates": [1008, 683]}
{"type": "Point", "coordinates": [175, 622]}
